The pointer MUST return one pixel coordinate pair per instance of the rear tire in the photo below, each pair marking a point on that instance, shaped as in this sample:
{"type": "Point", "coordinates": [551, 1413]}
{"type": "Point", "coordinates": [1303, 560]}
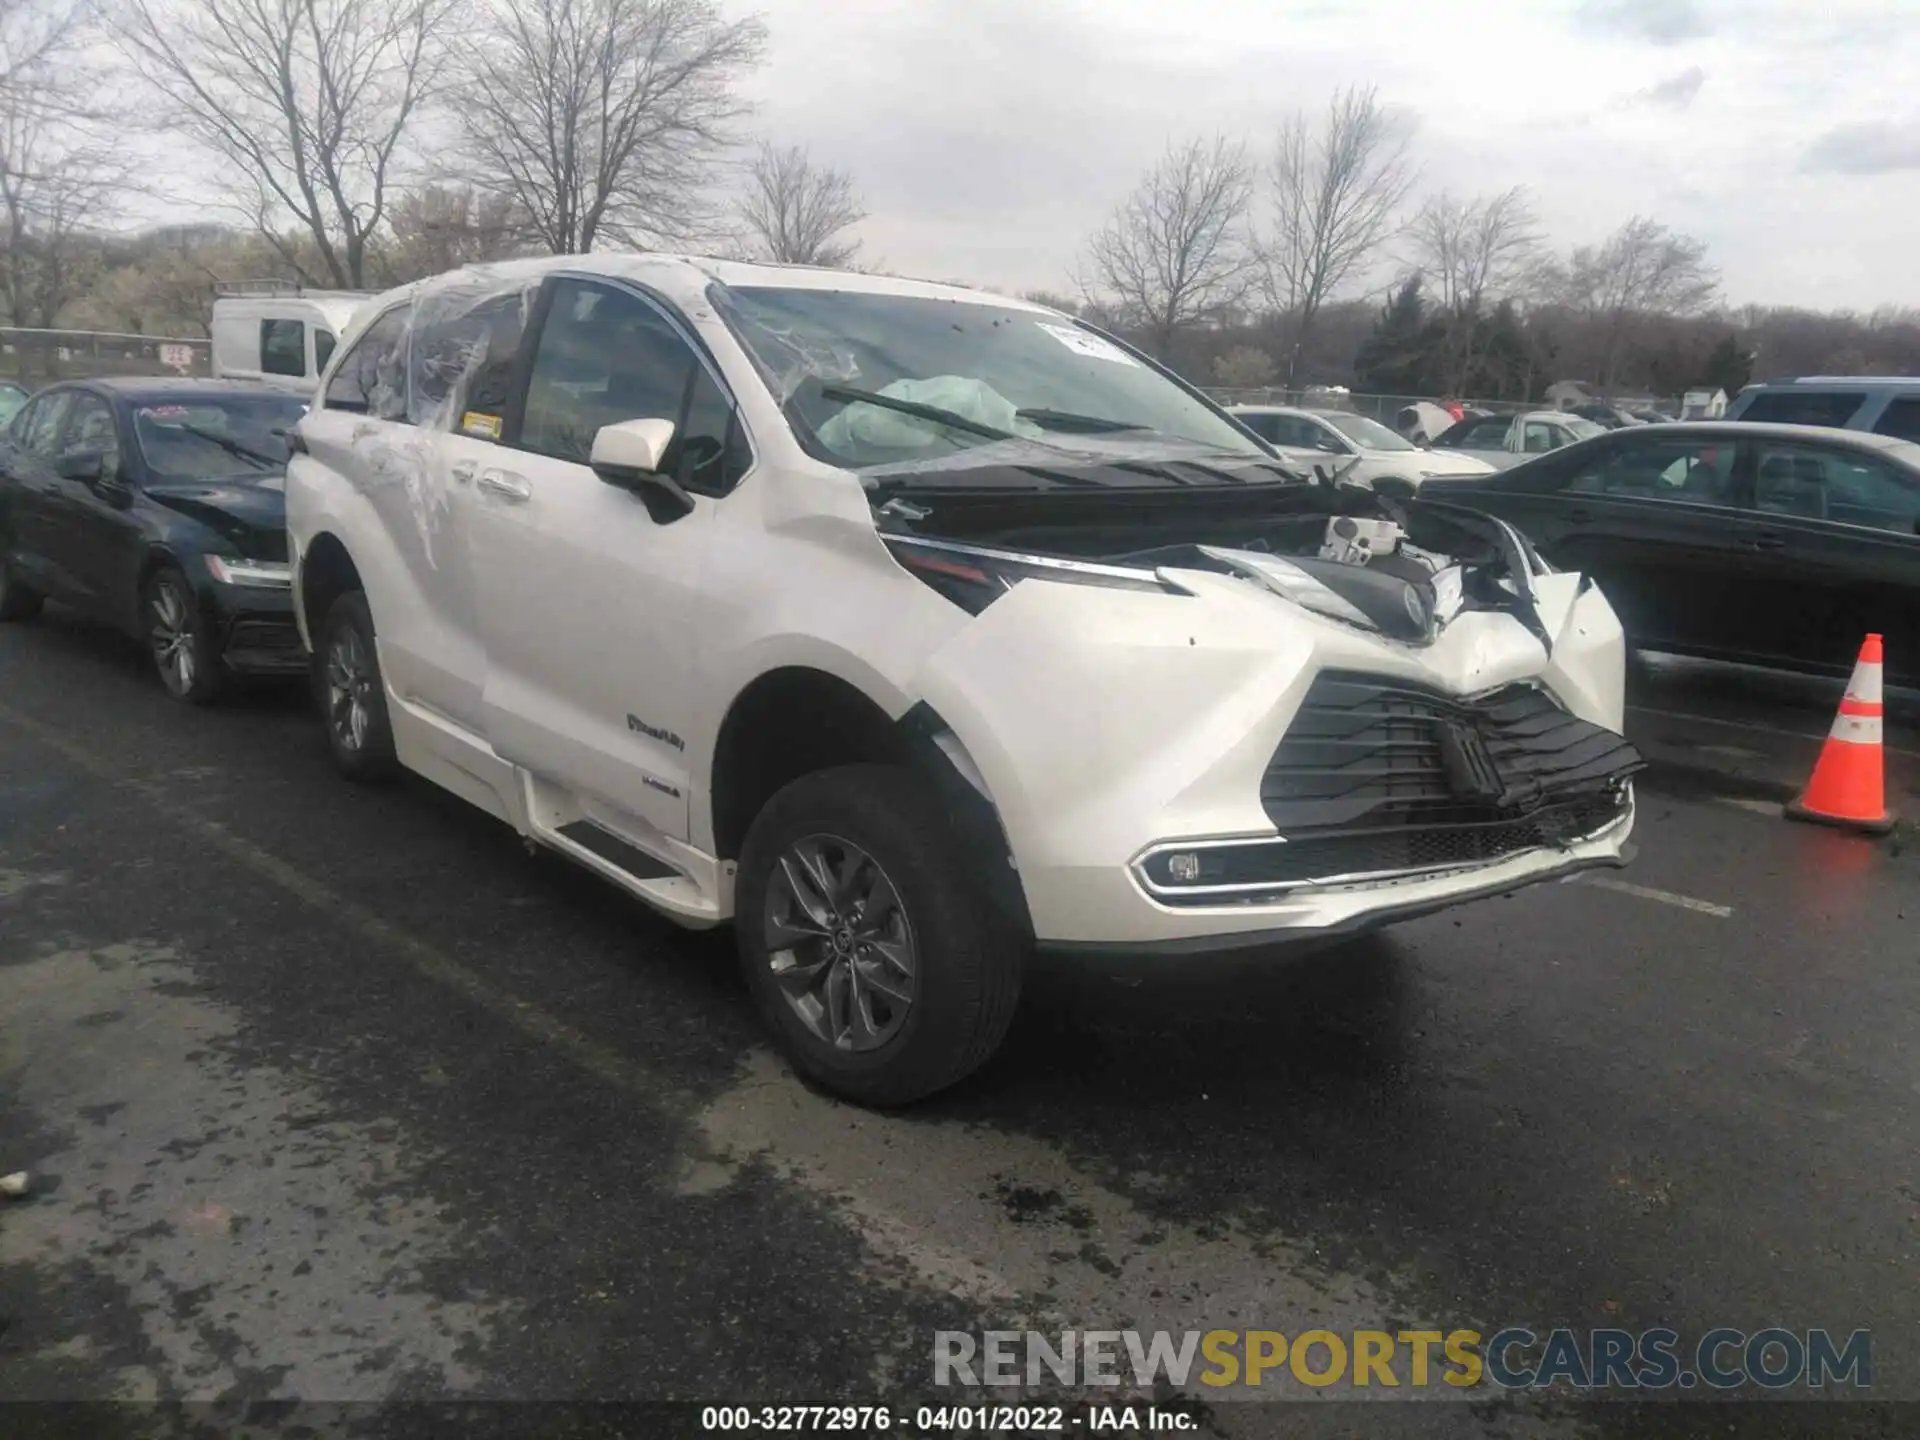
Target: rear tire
{"type": "Point", "coordinates": [353, 696]}
{"type": "Point", "coordinates": [181, 644]}
{"type": "Point", "coordinates": [17, 601]}
{"type": "Point", "coordinates": [893, 977]}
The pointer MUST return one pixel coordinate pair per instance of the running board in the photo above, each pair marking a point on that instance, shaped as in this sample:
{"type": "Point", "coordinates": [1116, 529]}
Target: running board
{"type": "Point", "coordinates": [668, 874]}
{"type": "Point", "coordinates": [598, 840]}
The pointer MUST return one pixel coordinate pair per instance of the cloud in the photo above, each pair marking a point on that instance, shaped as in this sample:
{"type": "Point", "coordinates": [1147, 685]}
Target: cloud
{"type": "Point", "coordinates": [1663, 22]}
{"type": "Point", "coordinates": [1676, 92]}
{"type": "Point", "coordinates": [1870, 148]}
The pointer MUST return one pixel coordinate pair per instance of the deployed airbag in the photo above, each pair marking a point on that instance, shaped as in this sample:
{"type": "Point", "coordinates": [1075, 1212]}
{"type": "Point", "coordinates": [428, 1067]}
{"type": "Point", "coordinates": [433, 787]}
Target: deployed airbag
{"type": "Point", "coordinates": [975, 400]}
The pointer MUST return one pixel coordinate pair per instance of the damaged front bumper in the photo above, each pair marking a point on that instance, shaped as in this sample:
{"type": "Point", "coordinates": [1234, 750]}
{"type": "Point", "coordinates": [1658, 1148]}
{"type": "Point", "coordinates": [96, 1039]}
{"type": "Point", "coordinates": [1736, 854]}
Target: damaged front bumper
{"type": "Point", "coordinates": [1116, 730]}
{"type": "Point", "coordinates": [1328, 917]}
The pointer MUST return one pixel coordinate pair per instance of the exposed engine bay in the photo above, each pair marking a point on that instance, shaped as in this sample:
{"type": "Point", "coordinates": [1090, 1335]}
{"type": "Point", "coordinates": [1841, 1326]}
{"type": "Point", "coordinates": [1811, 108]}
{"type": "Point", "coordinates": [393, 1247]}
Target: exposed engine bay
{"type": "Point", "coordinates": [1402, 569]}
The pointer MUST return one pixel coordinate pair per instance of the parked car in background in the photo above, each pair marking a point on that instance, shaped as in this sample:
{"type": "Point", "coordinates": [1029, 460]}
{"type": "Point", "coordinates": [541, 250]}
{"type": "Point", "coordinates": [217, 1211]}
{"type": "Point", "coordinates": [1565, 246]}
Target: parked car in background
{"type": "Point", "coordinates": [158, 507]}
{"type": "Point", "coordinates": [1772, 544]}
{"type": "Point", "coordinates": [1379, 458]}
{"type": "Point", "coordinates": [12, 397]}
{"type": "Point", "coordinates": [1885, 405]}
{"type": "Point", "coordinates": [1504, 440]}
{"type": "Point", "coordinates": [913, 629]}
{"type": "Point", "coordinates": [277, 334]}
{"type": "Point", "coordinates": [1607, 417]}
{"type": "Point", "coordinates": [1423, 419]}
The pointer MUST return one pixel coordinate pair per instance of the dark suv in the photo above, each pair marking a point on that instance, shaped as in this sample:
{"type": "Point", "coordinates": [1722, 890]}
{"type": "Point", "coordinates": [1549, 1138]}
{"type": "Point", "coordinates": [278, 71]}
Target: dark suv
{"type": "Point", "coordinates": [1886, 405]}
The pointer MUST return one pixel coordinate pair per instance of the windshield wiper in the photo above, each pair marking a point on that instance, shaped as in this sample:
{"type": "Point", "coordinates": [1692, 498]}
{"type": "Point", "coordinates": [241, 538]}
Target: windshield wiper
{"type": "Point", "coordinates": [1085, 424]}
{"type": "Point", "coordinates": [234, 447]}
{"type": "Point", "coordinates": [933, 414]}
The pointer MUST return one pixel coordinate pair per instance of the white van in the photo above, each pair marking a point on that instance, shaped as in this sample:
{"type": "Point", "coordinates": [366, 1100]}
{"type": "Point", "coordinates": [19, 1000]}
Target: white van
{"type": "Point", "coordinates": [278, 333]}
{"type": "Point", "coordinates": [916, 628]}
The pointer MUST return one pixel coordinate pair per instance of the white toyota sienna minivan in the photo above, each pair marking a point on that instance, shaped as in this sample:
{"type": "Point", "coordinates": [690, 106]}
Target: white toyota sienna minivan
{"type": "Point", "coordinates": [913, 630]}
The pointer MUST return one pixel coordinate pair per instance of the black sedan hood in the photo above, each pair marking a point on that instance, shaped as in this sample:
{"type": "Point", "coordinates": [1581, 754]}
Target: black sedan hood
{"type": "Point", "coordinates": [252, 514]}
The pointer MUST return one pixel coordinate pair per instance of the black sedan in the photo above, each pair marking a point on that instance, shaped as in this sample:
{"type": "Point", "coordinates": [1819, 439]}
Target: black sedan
{"type": "Point", "coordinates": [1776, 545]}
{"type": "Point", "coordinates": [159, 507]}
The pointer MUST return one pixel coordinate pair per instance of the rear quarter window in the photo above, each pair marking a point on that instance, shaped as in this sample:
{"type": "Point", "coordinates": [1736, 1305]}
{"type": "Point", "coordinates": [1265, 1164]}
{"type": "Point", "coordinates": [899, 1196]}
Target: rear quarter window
{"type": "Point", "coordinates": [1901, 418]}
{"type": "Point", "coordinates": [1833, 408]}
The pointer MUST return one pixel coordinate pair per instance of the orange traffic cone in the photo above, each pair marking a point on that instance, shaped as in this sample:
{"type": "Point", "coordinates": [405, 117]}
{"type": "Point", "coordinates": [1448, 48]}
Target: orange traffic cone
{"type": "Point", "coordinates": [1848, 787]}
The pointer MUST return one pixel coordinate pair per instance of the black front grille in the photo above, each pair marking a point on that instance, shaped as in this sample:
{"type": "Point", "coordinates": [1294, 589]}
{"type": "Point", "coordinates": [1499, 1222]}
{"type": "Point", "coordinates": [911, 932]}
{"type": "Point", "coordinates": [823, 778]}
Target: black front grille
{"type": "Point", "coordinates": [278, 637]}
{"type": "Point", "coordinates": [1375, 775]}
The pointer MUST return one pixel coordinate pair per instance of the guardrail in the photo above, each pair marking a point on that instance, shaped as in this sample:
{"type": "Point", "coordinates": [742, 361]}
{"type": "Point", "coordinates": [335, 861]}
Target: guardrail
{"type": "Point", "coordinates": [34, 356]}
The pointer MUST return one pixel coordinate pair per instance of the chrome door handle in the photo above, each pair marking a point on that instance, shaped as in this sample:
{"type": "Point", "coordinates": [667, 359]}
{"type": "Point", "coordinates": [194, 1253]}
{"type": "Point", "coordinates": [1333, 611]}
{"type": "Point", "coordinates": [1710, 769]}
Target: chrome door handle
{"type": "Point", "coordinates": [505, 484]}
{"type": "Point", "coordinates": [463, 472]}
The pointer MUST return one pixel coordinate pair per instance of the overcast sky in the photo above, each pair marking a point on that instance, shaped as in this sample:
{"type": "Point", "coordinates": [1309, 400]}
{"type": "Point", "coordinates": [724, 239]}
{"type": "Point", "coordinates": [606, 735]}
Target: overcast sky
{"type": "Point", "coordinates": [989, 137]}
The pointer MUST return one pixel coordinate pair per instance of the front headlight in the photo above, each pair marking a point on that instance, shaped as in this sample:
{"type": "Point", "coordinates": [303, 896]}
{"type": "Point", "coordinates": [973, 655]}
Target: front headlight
{"type": "Point", "coordinates": [265, 574]}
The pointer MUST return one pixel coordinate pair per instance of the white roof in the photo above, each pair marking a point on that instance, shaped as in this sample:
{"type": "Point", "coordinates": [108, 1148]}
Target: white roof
{"type": "Point", "coordinates": [685, 278]}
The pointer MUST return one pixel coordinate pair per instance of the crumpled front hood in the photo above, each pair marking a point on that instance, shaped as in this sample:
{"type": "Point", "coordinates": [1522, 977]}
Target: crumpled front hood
{"type": "Point", "coordinates": [252, 514]}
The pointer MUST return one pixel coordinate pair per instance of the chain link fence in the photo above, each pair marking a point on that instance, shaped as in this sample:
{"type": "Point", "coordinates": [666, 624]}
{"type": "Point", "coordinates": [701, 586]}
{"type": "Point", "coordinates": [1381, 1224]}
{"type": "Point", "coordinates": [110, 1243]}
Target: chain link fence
{"type": "Point", "coordinates": [33, 357]}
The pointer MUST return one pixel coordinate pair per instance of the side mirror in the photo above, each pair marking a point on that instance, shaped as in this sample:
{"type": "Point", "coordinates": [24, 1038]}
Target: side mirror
{"type": "Point", "coordinates": [86, 466]}
{"type": "Point", "coordinates": [628, 455]}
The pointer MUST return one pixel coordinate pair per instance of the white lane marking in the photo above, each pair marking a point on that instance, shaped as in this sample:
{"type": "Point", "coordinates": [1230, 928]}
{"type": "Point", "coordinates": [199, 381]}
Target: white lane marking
{"type": "Point", "coordinates": [1749, 725]}
{"type": "Point", "coordinates": [1770, 808]}
{"type": "Point", "coordinates": [1665, 897]}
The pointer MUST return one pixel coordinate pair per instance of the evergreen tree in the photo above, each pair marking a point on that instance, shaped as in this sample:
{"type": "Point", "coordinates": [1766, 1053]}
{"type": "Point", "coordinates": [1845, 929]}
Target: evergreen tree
{"type": "Point", "coordinates": [1729, 367]}
{"type": "Point", "coordinates": [1396, 358]}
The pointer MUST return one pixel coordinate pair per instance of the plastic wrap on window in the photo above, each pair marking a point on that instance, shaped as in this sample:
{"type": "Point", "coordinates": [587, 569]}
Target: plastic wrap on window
{"type": "Point", "coordinates": [445, 372]}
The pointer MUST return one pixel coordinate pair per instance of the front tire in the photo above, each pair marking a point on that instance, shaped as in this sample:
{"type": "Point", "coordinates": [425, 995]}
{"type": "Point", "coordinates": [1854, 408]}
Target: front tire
{"type": "Point", "coordinates": [868, 946]}
{"type": "Point", "coordinates": [353, 696]}
{"type": "Point", "coordinates": [181, 642]}
{"type": "Point", "coordinates": [17, 601]}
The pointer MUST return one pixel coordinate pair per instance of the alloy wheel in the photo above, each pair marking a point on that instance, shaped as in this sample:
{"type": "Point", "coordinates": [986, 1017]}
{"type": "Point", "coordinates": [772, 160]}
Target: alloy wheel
{"type": "Point", "coordinates": [349, 688]}
{"type": "Point", "coordinates": [173, 637]}
{"type": "Point", "coordinates": [839, 943]}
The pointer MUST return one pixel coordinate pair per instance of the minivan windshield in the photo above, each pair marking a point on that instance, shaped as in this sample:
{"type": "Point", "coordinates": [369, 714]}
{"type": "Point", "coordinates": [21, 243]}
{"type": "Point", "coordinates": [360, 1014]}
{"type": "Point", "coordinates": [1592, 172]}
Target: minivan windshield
{"type": "Point", "coordinates": [873, 380]}
{"type": "Point", "coordinates": [216, 436]}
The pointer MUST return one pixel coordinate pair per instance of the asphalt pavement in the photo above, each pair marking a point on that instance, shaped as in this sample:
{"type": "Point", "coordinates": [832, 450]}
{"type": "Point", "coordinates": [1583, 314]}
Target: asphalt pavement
{"type": "Point", "coordinates": [339, 1094]}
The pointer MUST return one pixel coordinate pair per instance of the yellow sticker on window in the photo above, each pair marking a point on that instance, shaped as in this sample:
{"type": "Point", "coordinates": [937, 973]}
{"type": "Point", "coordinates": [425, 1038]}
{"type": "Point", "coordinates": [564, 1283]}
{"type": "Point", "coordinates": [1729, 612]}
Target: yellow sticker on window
{"type": "Point", "coordinates": [484, 427]}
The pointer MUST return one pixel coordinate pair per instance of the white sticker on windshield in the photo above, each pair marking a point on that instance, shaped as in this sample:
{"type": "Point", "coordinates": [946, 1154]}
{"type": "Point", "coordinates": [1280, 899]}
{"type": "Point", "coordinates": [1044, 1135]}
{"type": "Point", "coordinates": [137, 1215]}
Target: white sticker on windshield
{"type": "Point", "coordinates": [1083, 343]}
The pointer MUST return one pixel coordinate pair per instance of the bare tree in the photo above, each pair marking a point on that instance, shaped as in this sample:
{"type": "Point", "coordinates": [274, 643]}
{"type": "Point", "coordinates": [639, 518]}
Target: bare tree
{"type": "Point", "coordinates": [308, 102]}
{"type": "Point", "coordinates": [797, 213]}
{"type": "Point", "coordinates": [1174, 253]}
{"type": "Point", "coordinates": [1643, 269]}
{"type": "Point", "coordinates": [34, 33]}
{"type": "Point", "coordinates": [1472, 252]}
{"type": "Point", "coordinates": [61, 177]}
{"type": "Point", "coordinates": [1244, 367]}
{"type": "Point", "coordinates": [436, 228]}
{"type": "Point", "coordinates": [1336, 191]}
{"type": "Point", "coordinates": [60, 185]}
{"type": "Point", "coordinates": [600, 119]}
